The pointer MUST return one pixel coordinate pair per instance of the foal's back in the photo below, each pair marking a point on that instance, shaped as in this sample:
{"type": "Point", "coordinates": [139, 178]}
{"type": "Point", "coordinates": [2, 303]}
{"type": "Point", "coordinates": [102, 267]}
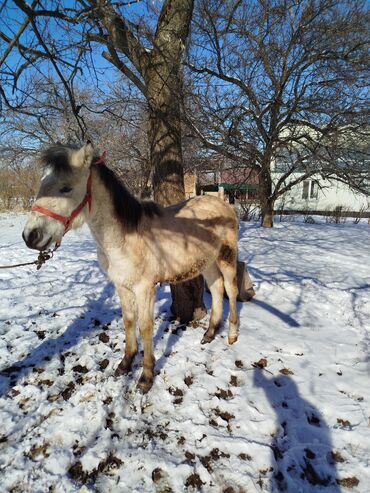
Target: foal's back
{"type": "Point", "coordinates": [185, 239]}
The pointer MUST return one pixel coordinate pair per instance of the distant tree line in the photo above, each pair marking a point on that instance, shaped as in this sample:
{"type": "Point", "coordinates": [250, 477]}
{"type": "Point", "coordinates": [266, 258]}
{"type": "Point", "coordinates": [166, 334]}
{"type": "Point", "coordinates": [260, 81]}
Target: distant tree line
{"type": "Point", "coordinates": [265, 84]}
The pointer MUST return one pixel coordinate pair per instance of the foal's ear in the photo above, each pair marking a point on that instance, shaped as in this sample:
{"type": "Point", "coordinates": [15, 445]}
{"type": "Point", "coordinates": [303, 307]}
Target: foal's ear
{"type": "Point", "coordinates": [84, 156]}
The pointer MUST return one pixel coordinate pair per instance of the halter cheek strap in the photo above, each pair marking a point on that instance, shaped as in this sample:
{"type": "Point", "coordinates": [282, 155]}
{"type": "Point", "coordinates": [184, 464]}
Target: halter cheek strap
{"type": "Point", "coordinates": [67, 220]}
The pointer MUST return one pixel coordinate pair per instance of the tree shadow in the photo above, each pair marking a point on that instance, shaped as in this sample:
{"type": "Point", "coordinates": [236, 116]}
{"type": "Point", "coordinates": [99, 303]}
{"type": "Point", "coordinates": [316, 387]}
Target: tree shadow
{"type": "Point", "coordinates": [284, 317]}
{"type": "Point", "coordinates": [302, 455]}
{"type": "Point", "coordinates": [80, 327]}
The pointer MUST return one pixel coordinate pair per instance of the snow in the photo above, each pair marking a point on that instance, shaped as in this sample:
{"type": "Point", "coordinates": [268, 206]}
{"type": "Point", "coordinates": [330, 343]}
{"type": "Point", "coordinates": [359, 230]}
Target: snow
{"type": "Point", "coordinates": [214, 421]}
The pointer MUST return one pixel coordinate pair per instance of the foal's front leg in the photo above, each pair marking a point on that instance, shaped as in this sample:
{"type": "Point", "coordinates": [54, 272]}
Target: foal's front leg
{"type": "Point", "coordinates": [145, 296]}
{"type": "Point", "coordinates": [128, 304]}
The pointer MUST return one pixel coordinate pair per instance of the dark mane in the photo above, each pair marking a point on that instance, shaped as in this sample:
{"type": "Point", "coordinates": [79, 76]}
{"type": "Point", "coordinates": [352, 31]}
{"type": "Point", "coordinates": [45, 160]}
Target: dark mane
{"type": "Point", "coordinates": [129, 210]}
{"type": "Point", "coordinates": [57, 156]}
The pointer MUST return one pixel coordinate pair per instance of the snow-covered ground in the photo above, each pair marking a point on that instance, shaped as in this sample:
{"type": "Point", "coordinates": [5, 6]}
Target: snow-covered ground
{"type": "Point", "coordinates": [214, 421]}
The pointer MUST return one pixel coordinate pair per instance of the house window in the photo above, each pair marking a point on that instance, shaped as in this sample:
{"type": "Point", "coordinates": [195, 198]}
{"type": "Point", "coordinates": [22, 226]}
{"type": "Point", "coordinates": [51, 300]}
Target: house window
{"type": "Point", "coordinates": [314, 189]}
{"type": "Point", "coordinates": [306, 186]}
{"type": "Point", "coordinates": [310, 189]}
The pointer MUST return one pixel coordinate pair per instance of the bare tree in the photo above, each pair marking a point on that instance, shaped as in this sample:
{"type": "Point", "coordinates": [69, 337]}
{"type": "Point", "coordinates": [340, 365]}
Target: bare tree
{"type": "Point", "coordinates": [65, 36]}
{"type": "Point", "coordinates": [283, 85]}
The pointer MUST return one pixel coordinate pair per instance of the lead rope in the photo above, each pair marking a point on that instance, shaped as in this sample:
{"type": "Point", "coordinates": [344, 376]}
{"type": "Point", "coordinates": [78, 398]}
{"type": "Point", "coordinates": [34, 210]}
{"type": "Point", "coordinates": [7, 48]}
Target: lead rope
{"type": "Point", "coordinates": [39, 262]}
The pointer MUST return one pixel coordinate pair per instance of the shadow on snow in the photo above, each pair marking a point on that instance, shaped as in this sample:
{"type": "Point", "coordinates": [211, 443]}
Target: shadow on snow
{"type": "Point", "coordinates": [302, 456]}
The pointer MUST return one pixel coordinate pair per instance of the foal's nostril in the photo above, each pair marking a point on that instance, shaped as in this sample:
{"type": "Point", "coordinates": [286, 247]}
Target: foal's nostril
{"type": "Point", "coordinates": [33, 237]}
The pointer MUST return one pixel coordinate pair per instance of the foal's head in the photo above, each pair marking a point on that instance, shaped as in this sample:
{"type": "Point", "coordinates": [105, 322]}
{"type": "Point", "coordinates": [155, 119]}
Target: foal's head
{"type": "Point", "coordinates": [63, 187]}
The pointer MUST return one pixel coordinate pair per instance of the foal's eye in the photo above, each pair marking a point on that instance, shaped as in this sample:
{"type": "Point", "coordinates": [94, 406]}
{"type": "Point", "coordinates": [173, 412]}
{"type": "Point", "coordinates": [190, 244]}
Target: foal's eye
{"type": "Point", "coordinates": [65, 190]}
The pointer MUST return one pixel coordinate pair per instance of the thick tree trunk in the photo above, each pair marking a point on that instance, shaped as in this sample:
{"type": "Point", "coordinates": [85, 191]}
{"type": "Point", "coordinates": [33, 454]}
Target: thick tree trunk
{"type": "Point", "coordinates": [163, 84]}
{"type": "Point", "coordinates": [266, 200]}
{"type": "Point", "coordinates": [267, 212]}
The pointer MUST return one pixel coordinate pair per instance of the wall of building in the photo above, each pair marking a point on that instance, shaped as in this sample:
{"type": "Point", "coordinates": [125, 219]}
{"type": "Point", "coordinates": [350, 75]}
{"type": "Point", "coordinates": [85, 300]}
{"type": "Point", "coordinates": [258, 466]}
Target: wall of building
{"type": "Point", "coordinates": [328, 195]}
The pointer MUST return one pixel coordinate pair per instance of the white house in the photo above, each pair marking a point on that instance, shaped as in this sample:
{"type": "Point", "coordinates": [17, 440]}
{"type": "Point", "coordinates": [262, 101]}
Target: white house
{"type": "Point", "coordinates": [316, 194]}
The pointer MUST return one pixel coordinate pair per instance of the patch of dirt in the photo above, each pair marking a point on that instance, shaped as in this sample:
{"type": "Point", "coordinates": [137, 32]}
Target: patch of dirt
{"type": "Point", "coordinates": [40, 334]}
{"type": "Point", "coordinates": [313, 419]}
{"type": "Point", "coordinates": [234, 381]}
{"type": "Point", "coordinates": [231, 489]}
{"type": "Point", "coordinates": [103, 337]}
{"type": "Point", "coordinates": [312, 477]}
{"type": "Point", "coordinates": [68, 391]}
{"type": "Point", "coordinates": [194, 481]}
{"type": "Point", "coordinates": [177, 393]}
{"type": "Point", "coordinates": [337, 457]}
{"type": "Point", "coordinates": [224, 394]}
{"type": "Point", "coordinates": [239, 364]}
{"type": "Point", "coordinates": [80, 369]}
{"type": "Point", "coordinates": [344, 422]}
{"type": "Point", "coordinates": [181, 440]}
{"type": "Point", "coordinates": [243, 456]}
{"type": "Point", "coordinates": [212, 457]}
{"type": "Point", "coordinates": [224, 415]}
{"type": "Point", "coordinates": [265, 471]}
{"type": "Point", "coordinates": [46, 382]}
{"type": "Point", "coordinates": [77, 450]}
{"type": "Point", "coordinates": [262, 363]}
{"type": "Point", "coordinates": [309, 453]}
{"type": "Point", "coordinates": [160, 479]}
{"type": "Point", "coordinates": [103, 364]}
{"type": "Point", "coordinates": [159, 432]}
{"type": "Point", "coordinates": [37, 450]}
{"type": "Point", "coordinates": [109, 421]}
{"type": "Point", "coordinates": [348, 482]}
{"type": "Point", "coordinates": [108, 464]}
{"type": "Point", "coordinates": [189, 455]}
{"type": "Point", "coordinates": [286, 371]}
{"type": "Point", "coordinates": [188, 380]}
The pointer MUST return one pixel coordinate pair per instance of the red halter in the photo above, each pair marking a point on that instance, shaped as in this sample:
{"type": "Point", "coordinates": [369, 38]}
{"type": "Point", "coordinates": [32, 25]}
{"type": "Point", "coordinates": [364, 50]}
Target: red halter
{"type": "Point", "coordinates": [86, 200]}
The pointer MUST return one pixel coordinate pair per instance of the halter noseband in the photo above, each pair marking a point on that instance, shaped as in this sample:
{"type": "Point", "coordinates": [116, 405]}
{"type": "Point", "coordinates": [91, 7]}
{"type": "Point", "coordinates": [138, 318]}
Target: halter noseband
{"type": "Point", "coordinates": [67, 220]}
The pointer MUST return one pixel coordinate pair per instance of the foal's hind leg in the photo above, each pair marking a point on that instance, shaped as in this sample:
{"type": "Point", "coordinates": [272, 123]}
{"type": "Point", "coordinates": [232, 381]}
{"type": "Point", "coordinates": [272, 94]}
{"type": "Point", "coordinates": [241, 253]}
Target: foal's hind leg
{"type": "Point", "coordinates": [227, 265]}
{"type": "Point", "coordinates": [215, 284]}
{"type": "Point", "coordinates": [128, 303]}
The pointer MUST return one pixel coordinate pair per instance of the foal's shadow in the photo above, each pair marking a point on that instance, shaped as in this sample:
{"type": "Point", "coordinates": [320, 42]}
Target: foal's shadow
{"type": "Point", "coordinates": [302, 456]}
{"type": "Point", "coordinates": [80, 327]}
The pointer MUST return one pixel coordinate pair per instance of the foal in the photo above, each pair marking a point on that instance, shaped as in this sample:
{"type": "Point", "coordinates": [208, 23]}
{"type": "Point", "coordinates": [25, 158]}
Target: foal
{"type": "Point", "coordinates": [139, 244]}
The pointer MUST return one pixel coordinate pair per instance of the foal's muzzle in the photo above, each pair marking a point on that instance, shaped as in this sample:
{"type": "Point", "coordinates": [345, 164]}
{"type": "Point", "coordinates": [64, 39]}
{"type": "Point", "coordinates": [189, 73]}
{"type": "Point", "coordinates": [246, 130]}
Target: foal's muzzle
{"type": "Point", "coordinates": [33, 239]}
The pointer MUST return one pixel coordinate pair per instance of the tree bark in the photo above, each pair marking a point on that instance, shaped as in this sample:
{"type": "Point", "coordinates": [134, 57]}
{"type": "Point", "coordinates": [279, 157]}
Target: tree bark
{"type": "Point", "coordinates": [163, 86]}
{"type": "Point", "coordinates": [266, 199]}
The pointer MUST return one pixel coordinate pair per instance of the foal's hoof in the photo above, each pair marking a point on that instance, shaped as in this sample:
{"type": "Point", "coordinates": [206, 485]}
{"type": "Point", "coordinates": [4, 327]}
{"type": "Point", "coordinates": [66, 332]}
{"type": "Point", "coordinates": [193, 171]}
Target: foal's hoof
{"type": "Point", "coordinates": [145, 384]}
{"type": "Point", "coordinates": [207, 339]}
{"type": "Point", "coordinates": [232, 339]}
{"type": "Point", "coordinates": [123, 368]}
